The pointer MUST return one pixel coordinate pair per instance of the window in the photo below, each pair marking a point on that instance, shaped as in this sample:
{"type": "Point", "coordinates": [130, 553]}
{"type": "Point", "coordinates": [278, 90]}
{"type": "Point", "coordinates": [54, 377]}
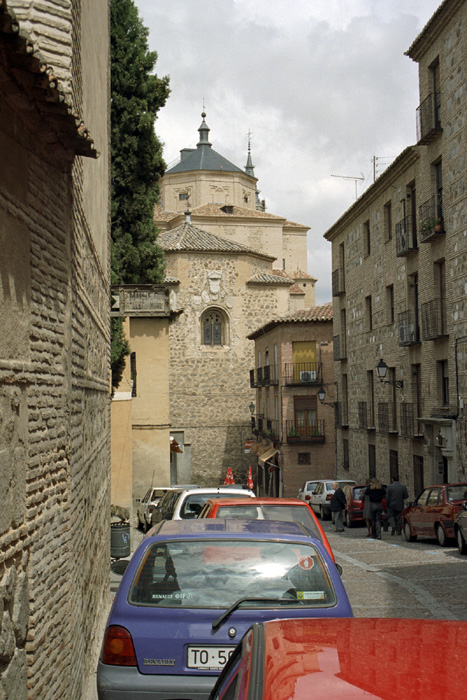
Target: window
{"type": "Point", "coordinates": [304, 458]}
{"type": "Point", "coordinates": [369, 313]}
{"type": "Point", "coordinates": [183, 195]}
{"type": "Point", "coordinates": [366, 238]}
{"type": "Point", "coordinates": [417, 474]}
{"type": "Point", "coordinates": [371, 398]}
{"type": "Point", "coordinates": [444, 382]}
{"type": "Point", "coordinates": [393, 463]}
{"type": "Point", "coordinates": [345, 448]}
{"type": "Point", "coordinates": [133, 373]}
{"type": "Point", "coordinates": [305, 414]}
{"type": "Point", "coordinates": [390, 303]}
{"type": "Point", "coordinates": [371, 461]}
{"type": "Point", "coordinates": [387, 213]}
{"type": "Point", "coordinates": [213, 328]}
{"type": "Point", "coordinates": [440, 285]}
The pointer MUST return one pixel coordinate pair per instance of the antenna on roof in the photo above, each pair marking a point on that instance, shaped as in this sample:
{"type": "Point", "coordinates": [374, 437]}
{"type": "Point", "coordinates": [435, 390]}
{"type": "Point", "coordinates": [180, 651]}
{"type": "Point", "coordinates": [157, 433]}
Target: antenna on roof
{"type": "Point", "coordinates": [349, 177]}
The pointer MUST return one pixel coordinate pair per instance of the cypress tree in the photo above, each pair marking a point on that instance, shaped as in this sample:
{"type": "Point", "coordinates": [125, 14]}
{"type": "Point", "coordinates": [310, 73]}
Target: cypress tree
{"type": "Point", "coordinates": [137, 94]}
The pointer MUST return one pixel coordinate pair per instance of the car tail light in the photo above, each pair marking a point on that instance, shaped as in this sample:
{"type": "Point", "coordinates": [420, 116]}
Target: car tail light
{"type": "Point", "coordinates": [328, 496]}
{"type": "Point", "coordinates": [151, 508]}
{"type": "Point", "coordinates": [118, 649]}
{"type": "Point", "coordinates": [307, 498]}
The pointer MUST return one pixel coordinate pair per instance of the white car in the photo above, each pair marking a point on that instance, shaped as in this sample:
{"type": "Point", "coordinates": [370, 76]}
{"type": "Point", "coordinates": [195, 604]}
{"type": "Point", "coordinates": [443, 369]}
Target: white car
{"type": "Point", "coordinates": [150, 500]}
{"type": "Point", "coordinates": [305, 492]}
{"type": "Point", "coordinates": [320, 497]}
{"type": "Point", "coordinates": [189, 502]}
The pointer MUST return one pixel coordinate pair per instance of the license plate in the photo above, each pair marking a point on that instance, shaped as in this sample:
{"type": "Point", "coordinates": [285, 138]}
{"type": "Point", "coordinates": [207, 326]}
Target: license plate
{"type": "Point", "coordinates": [209, 658]}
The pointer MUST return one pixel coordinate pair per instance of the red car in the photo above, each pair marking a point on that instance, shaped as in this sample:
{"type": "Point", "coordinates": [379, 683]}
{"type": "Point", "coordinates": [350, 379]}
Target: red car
{"type": "Point", "coordinates": [353, 512]}
{"type": "Point", "coordinates": [312, 659]}
{"type": "Point", "coordinates": [286, 509]}
{"type": "Point", "coordinates": [434, 512]}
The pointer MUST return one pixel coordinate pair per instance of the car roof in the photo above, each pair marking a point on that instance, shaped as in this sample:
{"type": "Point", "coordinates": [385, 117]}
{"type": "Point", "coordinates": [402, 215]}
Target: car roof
{"type": "Point", "coordinates": [225, 527]}
{"type": "Point", "coordinates": [258, 501]}
{"type": "Point", "coordinates": [344, 667]}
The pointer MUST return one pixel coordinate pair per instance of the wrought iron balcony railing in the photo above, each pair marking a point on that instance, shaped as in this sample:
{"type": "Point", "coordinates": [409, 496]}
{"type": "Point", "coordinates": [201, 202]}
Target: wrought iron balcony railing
{"type": "Point", "coordinates": [428, 118]}
{"type": "Point", "coordinates": [409, 423]}
{"type": "Point", "coordinates": [303, 373]}
{"type": "Point", "coordinates": [338, 282]}
{"type": "Point", "coordinates": [406, 239]}
{"type": "Point", "coordinates": [409, 331]}
{"type": "Point", "coordinates": [387, 418]}
{"type": "Point", "coordinates": [431, 223]}
{"type": "Point", "coordinates": [304, 432]}
{"type": "Point", "coordinates": [433, 320]}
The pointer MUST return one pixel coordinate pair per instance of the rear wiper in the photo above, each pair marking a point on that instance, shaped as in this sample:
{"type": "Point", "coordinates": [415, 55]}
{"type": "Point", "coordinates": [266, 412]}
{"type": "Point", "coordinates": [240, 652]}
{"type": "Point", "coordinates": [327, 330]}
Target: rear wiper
{"type": "Point", "coordinates": [238, 602]}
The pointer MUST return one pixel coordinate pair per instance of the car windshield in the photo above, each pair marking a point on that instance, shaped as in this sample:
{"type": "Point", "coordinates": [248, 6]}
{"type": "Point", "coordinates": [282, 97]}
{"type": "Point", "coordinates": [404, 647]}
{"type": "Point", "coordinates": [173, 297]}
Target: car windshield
{"type": "Point", "coordinates": [193, 504]}
{"type": "Point", "coordinates": [457, 492]}
{"type": "Point", "coordinates": [215, 574]}
{"type": "Point", "coordinates": [290, 514]}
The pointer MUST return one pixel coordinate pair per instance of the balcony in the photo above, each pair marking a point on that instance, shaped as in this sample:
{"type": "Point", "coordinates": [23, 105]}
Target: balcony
{"type": "Point", "coordinates": [266, 427]}
{"type": "Point", "coordinates": [269, 375]}
{"type": "Point", "coordinates": [338, 282]}
{"type": "Point", "coordinates": [409, 331]}
{"type": "Point", "coordinates": [304, 433]}
{"type": "Point", "coordinates": [409, 422]}
{"type": "Point", "coordinates": [406, 240]}
{"type": "Point", "coordinates": [387, 418]}
{"type": "Point", "coordinates": [428, 119]}
{"type": "Point", "coordinates": [430, 214]}
{"type": "Point", "coordinates": [303, 373]}
{"type": "Point", "coordinates": [433, 320]}
{"type": "Point", "coordinates": [339, 348]}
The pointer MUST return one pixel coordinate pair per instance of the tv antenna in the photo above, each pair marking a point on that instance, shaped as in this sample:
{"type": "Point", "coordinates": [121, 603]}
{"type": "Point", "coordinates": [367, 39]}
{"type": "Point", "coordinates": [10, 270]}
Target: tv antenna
{"type": "Point", "coordinates": [349, 177]}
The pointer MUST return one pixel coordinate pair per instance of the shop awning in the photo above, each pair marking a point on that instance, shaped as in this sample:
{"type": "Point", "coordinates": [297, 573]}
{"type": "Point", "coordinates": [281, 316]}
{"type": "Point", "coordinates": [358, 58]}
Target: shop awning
{"type": "Point", "coordinates": [267, 455]}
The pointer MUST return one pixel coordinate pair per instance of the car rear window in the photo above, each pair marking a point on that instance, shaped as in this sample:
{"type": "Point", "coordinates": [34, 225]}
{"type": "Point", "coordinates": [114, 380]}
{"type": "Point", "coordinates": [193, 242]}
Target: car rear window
{"type": "Point", "coordinates": [457, 493]}
{"type": "Point", "coordinates": [288, 514]}
{"type": "Point", "coordinates": [214, 574]}
{"type": "Point", "coordinates": [158, 493]}
{"type": "Point", "coordinates": [358, 493]}
{"type": "Point", "coordinates": [192, 506]}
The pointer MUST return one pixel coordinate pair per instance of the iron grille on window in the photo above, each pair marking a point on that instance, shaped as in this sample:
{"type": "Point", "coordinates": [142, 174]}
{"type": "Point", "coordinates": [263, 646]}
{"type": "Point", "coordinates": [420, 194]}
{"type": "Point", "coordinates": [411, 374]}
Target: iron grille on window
{"type": "Point", "coordinates": [362, 414]}
{"type": "Point", "coordinates": [430, 215]}
{"type": "Point", "coordinates": [432, 320]}
{"type": "Point", "coordinates": [407, 420]}
{"type": "Point", "coordinates": [409, 333]}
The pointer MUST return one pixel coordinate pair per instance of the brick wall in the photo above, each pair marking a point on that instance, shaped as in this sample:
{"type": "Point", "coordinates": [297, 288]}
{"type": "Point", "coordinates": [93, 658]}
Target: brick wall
{"type": "Point", "coordinates": [54, 395]}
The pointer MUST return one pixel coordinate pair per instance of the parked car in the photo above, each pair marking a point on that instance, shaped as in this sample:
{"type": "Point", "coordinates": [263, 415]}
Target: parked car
{"type": "Point", "coordinates": [287, 509]}
{"type": "Point", "coordinates": [353, 512]}
{"type": "Point", "coordinates": [433, 513]}
{"type": "Point", "coordinates": [460, 529]}
{"type": "Point", "coordinates": [150, 500]}
{"type": "Point", "coordinates": [193, 588]}
{"type": "Point", "coordinates": [342, 659]}
{"type": "Point", "coordinates": [320, 497]}
{"type": "Point", "coordinates": [189, 502]}
{"type": "Point", "coordinates": [305, 492]}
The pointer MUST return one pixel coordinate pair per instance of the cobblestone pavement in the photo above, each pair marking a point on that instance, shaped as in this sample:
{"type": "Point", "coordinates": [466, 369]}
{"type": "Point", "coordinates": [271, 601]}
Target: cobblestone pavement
{"type": "Point", "coordinates": [394, 578]}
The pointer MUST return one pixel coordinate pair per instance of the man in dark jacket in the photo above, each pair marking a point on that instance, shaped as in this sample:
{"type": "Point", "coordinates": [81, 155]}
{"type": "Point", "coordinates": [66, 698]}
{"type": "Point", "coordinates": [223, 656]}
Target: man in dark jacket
{"type": "Point", "coordinates": [338, 503]}
{"type": "Point", "coordinates": [395, 497]}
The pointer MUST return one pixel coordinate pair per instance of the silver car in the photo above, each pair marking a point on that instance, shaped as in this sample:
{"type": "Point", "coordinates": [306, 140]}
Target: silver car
{"type": "Point", "coordinates": [320, 498]}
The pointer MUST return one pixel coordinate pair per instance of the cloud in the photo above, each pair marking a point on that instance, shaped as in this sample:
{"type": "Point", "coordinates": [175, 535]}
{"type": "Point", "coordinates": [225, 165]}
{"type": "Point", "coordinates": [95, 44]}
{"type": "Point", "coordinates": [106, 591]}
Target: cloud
{"type": "Point", "coordinates": [324, 87]}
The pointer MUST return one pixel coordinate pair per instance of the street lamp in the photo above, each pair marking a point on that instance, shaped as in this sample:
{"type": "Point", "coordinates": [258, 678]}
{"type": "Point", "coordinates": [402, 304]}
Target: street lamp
{"type": "Point", "coordinates": [381, 369]}
{"type": "Point", "coordinates": [322, 396]}
{"type": "Point", "coordinates": [252, 408]}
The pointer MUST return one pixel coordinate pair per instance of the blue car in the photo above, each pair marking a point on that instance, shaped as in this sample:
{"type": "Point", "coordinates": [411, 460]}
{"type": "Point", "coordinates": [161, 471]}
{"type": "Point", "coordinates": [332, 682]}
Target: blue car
{"type": "Point", "coordinates": [191, 591]}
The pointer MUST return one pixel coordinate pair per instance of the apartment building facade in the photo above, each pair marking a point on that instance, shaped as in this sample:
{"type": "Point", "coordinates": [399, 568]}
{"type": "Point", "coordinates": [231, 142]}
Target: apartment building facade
{"type": "Point", "coordinates": [293, 429]}
{"type": "Point", "coordinates": [399, 286]}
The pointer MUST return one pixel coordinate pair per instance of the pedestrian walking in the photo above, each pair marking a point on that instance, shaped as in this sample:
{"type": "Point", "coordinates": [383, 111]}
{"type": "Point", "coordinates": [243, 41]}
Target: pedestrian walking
{"type": "Point", "coordinates": [395, 496]}
{"type": "Point", "coordinates": [338, 503]}
{"type": "Point", "coordinates": [367, 510]}
{"type": "Point", "coordinates": [376, 493]}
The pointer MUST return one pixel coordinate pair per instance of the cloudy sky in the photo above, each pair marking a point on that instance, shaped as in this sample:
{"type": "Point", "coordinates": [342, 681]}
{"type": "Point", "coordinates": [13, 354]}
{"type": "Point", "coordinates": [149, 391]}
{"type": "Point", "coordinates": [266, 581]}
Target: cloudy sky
{"type": "Point", "coordinates": [323, 86]}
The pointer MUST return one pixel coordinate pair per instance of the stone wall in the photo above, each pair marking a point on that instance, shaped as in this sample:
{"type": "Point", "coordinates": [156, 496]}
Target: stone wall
{"type": "Point", "coordinates": [54, 385]}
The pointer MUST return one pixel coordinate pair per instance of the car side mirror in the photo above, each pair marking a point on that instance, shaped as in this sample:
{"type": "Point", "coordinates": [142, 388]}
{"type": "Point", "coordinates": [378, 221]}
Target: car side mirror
{"type": "Point", "coordinates": [138, 500]}
{"type": "Point", "coordinates": [339, 569]}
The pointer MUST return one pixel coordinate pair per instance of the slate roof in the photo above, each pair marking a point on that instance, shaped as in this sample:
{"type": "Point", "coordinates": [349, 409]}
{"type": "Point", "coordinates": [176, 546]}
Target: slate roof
{"type": "Point", "coordinates": [204, 158]}
{"type": "Point", "coordinates": [44, 104]}
{"type": "Point", "coordinates": [191, 238]}
{"type": "Point", "coordinates": [312, 314]}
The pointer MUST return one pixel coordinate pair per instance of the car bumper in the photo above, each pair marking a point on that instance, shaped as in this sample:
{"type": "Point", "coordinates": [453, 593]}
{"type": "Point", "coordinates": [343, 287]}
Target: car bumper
{"type": "Point", "coordinates": [127, 683]}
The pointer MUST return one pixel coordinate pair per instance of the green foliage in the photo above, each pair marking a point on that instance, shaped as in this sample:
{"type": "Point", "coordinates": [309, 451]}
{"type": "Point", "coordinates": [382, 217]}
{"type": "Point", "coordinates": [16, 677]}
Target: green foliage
{"type": "Point", "coordinates": [137, 94]}
{"type": "Point", "coordinates": [119, 349]}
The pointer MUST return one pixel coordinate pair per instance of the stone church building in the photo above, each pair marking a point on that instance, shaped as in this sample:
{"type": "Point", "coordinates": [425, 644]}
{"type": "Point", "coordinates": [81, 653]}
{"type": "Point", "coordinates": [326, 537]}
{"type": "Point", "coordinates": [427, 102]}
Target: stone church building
{"type": "Point", "coordinates": [230, 267]}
